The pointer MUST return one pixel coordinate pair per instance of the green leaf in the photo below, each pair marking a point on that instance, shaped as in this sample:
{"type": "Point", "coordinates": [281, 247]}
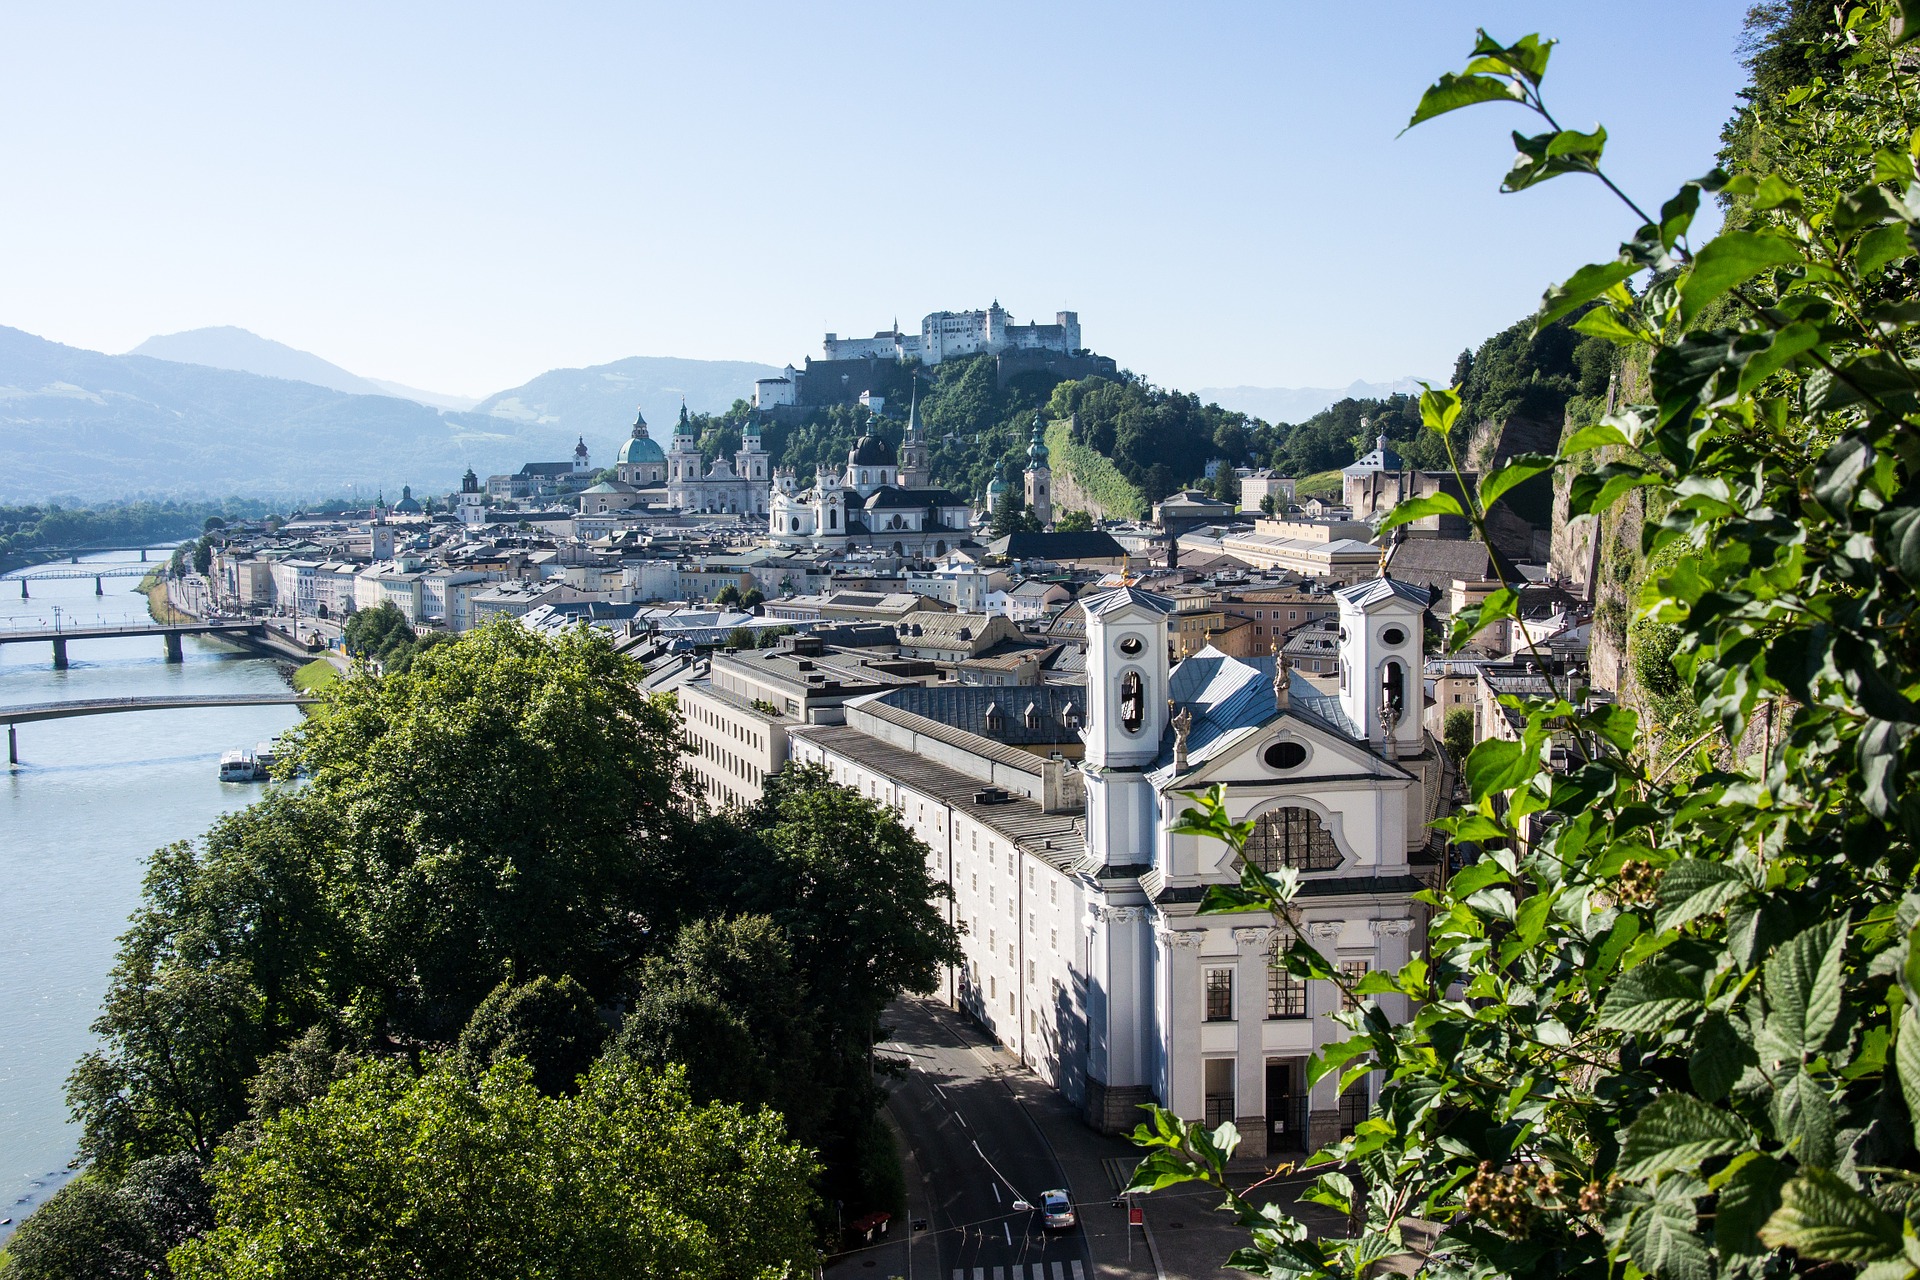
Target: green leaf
{"type": "Point", "coordinates": [1604, 322]}
{"type": "Point", "coordinates": [1302, 961]}
{"type": "Point", "coordinates": [1437, 504]}
{"type": "Point", "coordinates": [1496, 765]}
{"type": "Point", "coordinates": [1676, 215]}
{"type": "Point", "coordinates": [1598, 436]}
{"type": "Point", "coordinates": [1747, 1199]}
{"type": "Point", "coordinates": [1661, 1240]}
{"type": "Point", "coordinates": [1593, 491]}
{"type": "Point", "coordinates": [1438, 408]}
{"type": "Point", "coordinates": [1820, 1216]}
{"type": "Point", "coordinates": [1880, 246]}
{"type": "Point", "coordinates": [1803, 991]}
{"type": "Point", "coordinates": [1907, 27]}
{"type": "Point", "coordinates": [1452, 92]}
{"type": "Point", "coordinates": [1475, 618]}
{"type": "Point", "coordinates": [1648, 997]}
{"type": "Point", "coordinates": [1526, 58]}
{"type": "Point", "coordinates": [1802, 1115]}
{"type": "Point", "coordinates": [1548, 155]}
{"type": "Point", "coordinates": [1690, 888]}
{"type": "Point", "coordinates": [1719, 1057]}
{"type": "Point", "coordinates": [1520, 469]}
{"type": "Point", "coordinates": [1781, 349]}
{"type": "Point", "coordinates": [1580, 288]}
{"type": "Point", "coordinates": [1476, 876]}
{"type": "Point", "coordinates": [1678, 1131]}
{"type": "Point", "coordinates": [1906, 1061]}
{"type": "Point", "coordinates": [1729, 260]}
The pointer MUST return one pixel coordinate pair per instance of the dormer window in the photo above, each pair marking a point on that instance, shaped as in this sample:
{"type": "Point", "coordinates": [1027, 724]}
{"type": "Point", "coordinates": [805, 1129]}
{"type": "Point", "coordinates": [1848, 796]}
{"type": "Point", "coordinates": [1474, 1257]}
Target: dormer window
{"type": "Point", "coordinates": [1033, 715]}
{"type": "Point", "coordinates": [994, 720]}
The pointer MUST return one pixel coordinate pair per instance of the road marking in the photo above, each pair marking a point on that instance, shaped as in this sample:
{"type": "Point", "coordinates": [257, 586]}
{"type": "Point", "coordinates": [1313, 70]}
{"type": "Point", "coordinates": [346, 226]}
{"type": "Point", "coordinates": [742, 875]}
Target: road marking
{"type": "Point", "coordinates": [1059, 1272]}
{"type": "Point", "coordinates": [1009, 1230]}
{"type": "Point", "coordinates": [979, 1273]}
{"type": "Point", "coordinates": [1077, 1273]}
{"type": "Point", "coordinates": [942, 1092]}
{"type": "Point", "coordinates": [962, 1119]}
{"type": "Point", "coordinates": [999, 1273]}
{"type": "Point", "coordinates": [996, 1192]}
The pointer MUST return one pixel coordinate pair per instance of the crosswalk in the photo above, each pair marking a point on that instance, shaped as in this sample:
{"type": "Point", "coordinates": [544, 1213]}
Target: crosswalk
{"type": "Point", "coordinates": [1023, 1271]}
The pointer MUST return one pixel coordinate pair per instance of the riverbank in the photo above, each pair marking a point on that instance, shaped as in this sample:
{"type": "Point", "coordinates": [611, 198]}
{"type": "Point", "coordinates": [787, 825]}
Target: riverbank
{"type": "Point", "coordinates": [160, 606]}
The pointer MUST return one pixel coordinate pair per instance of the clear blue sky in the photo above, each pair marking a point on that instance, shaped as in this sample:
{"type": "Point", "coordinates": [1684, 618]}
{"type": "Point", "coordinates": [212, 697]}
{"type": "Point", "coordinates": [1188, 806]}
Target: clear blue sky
{"type": "Point", "coordinates": [461, 196]}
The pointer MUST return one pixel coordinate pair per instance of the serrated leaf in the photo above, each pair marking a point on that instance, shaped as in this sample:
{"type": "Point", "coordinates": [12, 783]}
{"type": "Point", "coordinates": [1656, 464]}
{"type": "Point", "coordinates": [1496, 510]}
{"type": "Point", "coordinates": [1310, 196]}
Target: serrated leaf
{"type": "Point", "coordinates": [1729, 260]}
{"type": "Point", "coordinates": [1648, 997]}
{"type": "Point", "coordinates": [1906, 1062]}
{"type": "Point", "coordinates": [1496, 765]}
{"type": "Point", "coordinates": [1661, 1240]}
{"type": "Point", "coordinates": [1691, 888]}
{"type": "Point", "coordinates": [1804, 990]}
{"type": "Point", "coordinates": [1820, 1216]}
{"type": "Point", "coordinates": [1719, 1057]}
{"type": "Point", "coordinates": [1518, 470]}
{"type": "Point", "coordinates": [1802, 1116]}
{"type": "Point", "coordinates": [1880, 246]}
{"type": "Point", "coordinates": [1678, 1131]}
{"type": "Point", "coordinates": [1436, 504]}
{"type": "Point", "coordinates": [1747, 1199]}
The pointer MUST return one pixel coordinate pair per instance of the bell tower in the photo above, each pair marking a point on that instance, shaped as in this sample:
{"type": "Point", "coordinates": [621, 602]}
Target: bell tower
{"type": "Point", "coordinates": [913, 448]}
{"type": "Point", "coordinates": [1039, 476]}
{"type": "Point", "coordinates": [1381, 628]}
{"type": "Point", "coordinates": [1126, 717]}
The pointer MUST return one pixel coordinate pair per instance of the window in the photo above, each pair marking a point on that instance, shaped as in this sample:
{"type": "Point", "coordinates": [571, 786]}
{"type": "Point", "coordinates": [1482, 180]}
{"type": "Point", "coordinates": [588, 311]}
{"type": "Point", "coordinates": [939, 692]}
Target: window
{"type": "Point", "coordinates": [1292, 838]}
{"type": "Point", "coordinates": [1053, 940]}
{"type": "Point", "coordinates": [1394, 683]}
{"type": "Point", "coordinates": [991, 943]}
{"type": "Point", "coordinates": [1353, 1107]}
{"type": "Point", "coordinates": [1218, 1083]}
{"type": "Point", "coordinates": [1286, 994]}
{"type": "Point", "coordinates": [1219, 995]}
{"type": "Point", "coordinates": [1352, 971]}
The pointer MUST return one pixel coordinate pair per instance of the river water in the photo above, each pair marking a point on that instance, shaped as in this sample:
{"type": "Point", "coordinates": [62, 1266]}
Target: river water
{"type": "Point", "coordinates": [91, 799]}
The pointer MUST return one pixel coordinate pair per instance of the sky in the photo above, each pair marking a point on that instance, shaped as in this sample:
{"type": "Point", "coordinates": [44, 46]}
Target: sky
{"type": "Point", "coordinates": [459, 197]}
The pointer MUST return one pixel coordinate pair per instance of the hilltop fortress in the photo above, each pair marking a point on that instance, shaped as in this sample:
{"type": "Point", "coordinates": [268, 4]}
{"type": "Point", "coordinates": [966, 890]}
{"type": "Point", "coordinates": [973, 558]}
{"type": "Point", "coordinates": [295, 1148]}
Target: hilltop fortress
{"type": "Point", "coordinates": [847, 373]}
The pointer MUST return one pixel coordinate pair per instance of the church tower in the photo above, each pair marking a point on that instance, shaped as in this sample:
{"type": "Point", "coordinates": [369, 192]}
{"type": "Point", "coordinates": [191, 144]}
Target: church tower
{"type": "Point", "coordinates": [683, 462]}
{"type": "Point", "coordinates": [914, 471]}
{"type": "Point", "coordinates": [473, 503]}
{"type": "Point", "coordinates": [752, 464]}
{"type": "Point", "coordinates": [1381, 622]}
{"type": "Point", "coordinates": [1126, 717]}
{"type": "Point", "coordinates": [1039, 476]}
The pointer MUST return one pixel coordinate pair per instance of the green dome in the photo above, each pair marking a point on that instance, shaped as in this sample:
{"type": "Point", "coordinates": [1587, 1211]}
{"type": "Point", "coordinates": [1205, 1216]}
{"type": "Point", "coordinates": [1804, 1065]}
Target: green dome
{"type": "Point", "coordinates": [640, 450]}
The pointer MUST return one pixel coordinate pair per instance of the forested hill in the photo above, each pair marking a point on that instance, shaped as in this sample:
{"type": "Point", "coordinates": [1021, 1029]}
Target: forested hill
{"type": "Point", "coordinates": [1160, 440]}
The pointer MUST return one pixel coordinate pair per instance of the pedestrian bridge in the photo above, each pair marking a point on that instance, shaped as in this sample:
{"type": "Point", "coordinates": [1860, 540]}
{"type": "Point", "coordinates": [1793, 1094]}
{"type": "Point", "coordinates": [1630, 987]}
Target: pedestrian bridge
{"type": "Point", "coordinates": [169, 632]}
{"type": "Point", "coordinates": [29, 712]}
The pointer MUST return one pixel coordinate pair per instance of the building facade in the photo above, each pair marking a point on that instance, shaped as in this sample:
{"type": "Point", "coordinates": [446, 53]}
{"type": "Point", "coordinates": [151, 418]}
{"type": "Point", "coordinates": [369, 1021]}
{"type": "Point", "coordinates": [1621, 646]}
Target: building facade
{"type": "Point", "coordinates": [877, 501]}
{"type": "Point", "coordinates": [736, 488]}
{"type": "Point", "coordinates": [945, 335]}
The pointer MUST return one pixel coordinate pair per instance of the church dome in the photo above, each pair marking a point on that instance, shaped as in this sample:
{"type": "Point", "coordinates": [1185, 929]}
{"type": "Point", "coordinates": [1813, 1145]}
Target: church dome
{"type": "Point", "coordinates": [640, 449]}
{"type": "Point", "coordinates": [872, 451]}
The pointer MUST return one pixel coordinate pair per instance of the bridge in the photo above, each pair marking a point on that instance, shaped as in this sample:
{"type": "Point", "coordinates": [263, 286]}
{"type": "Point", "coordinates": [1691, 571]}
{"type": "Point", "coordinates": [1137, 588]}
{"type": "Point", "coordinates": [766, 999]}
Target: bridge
{"type": "Point", "coordinates": [169, 632]}
{"type": "Point", "coordinates": [24, 576]}
{"type": "Point", "coordinates": [13, 716]}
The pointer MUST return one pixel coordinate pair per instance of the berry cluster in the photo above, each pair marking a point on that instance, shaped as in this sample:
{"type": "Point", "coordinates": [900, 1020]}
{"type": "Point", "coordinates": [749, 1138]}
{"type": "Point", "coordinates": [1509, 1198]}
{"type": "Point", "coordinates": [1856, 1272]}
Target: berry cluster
{"type": "Point", "coordinates": [1636, 884]}
{"type": "Point", "coordinates": [1509, 1201]}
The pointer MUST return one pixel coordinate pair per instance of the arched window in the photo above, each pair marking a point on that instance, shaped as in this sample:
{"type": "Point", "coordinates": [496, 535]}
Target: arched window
{"type": "Point", "coordinates": [1133, 702]}
{"type": "Point", "coordinates": [796, 524]}
{"type": "Point", "coordinates": [833, 517]}
{"type": "Point", "coordinates": [1292, 838]}
{"type": "Point", "coordinates": [1394, 683]}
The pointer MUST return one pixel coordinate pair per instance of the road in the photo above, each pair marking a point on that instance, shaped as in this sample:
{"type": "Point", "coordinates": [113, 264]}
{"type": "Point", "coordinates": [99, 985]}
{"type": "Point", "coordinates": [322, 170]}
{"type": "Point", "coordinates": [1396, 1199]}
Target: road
{"type": "Point", "coordinates": [977, 1151]}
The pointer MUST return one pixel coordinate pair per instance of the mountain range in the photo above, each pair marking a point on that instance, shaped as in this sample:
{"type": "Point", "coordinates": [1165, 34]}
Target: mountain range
{"type": "Point", "coordinates": [220, 411]}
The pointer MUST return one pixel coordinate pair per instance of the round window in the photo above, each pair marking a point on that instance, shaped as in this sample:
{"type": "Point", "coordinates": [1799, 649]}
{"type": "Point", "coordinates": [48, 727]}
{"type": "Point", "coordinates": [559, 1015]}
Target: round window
{"type": "Point", "coordinates": [1343, 635]}
{"type": "Point", "coordinates": [1393, 635]}
{"type": "Point", "coordinates": [1131, 646]}
{"type": "Point", "coordinates": [1285, 755]}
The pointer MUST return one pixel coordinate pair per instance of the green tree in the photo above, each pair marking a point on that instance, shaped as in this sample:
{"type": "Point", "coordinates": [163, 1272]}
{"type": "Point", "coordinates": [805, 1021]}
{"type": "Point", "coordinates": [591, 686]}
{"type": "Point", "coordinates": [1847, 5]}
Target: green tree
{"type": "Point", "coordinates": [1269, 504]}
{"type": "Point", "coordinates": [1073, 521]}
{"type": "Point", "coordinates": [1457, 733]}
{"type": "Point", "coordinates": [550, 1025]}
{"type": "Point", "coordinates": [1010, 513]}
{"type": "Point", "coordinates": [493, 813]}
{"type": "Point", "coordinates": [391, 1175]}
{"type": "Point", "coordinates": [1669, 1025]}
{"type": "Point", "coordinates": [753, 598]}
{"type": "Point", "coordinates": [728, 595]}
{"type": "Point", "coordinates": [97, 1229]}
{"type": "Point", "coordinates": [376, 632]}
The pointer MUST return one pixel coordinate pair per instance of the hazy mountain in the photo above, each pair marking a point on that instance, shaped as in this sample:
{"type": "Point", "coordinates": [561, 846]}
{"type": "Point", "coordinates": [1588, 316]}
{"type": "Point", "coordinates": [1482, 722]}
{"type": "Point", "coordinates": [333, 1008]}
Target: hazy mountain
{"type": "Point", "coordinates": [228, 347]}
{"type": "Point", "coordinates": [1297, 404]}
{"type": "Point", "coordinates": [598, 402]}
{"type": "Point", "coordinates": [80, 424]}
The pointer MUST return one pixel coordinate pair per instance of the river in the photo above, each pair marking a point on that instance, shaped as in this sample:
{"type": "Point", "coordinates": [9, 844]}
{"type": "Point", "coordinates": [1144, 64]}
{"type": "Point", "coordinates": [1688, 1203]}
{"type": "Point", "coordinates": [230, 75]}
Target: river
{"type": "Point", "coordinates": [91, 799]}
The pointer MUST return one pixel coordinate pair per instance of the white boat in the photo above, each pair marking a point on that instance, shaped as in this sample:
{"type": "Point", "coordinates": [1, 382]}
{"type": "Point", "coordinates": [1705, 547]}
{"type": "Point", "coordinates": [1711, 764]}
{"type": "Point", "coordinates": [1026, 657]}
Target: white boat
{"type": "Point", "coordinates": [263, 758]}
{"type": "Point", "coordinates": [238, 766]}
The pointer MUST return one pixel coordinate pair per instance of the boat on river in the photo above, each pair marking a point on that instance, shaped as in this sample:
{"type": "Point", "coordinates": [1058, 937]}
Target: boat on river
{"type": "Point", "coordinates": [240, 766]}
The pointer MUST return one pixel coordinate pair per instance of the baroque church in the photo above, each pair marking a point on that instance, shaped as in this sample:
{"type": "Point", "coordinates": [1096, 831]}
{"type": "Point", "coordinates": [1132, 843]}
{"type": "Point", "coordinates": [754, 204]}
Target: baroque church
{"type": "Point", "coordinates": [726, 488]}
{"type": "Point", "coordinates": [1086, 954]}
{"type": "Point", "coordinates": [878, 501]}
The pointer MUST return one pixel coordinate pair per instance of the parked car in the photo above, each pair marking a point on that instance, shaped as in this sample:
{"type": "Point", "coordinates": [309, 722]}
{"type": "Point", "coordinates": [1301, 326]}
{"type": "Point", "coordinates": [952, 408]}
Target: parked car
{"type": "Point", "coordinates": [1056, 1210]}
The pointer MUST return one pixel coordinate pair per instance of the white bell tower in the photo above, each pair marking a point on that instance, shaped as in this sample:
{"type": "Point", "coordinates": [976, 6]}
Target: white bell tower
{"type": "Point", "coordinates": [1126, 717]}
{"type": "Point", "coordinates": [1381, 660]}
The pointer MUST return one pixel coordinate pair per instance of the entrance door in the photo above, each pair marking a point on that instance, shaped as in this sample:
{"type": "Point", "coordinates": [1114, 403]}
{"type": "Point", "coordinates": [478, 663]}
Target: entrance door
{"type": "Point", "coordinates": [1286, 1105]}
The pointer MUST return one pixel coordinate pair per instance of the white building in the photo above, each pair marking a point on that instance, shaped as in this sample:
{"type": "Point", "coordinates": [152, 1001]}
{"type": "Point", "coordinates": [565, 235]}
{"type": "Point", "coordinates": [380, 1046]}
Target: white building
{"type": "Point", "coordinates": [731, 488]}
{"type": "Point", "coordinates": [1086, 955]}
{"type": "Point", "coordinates": [945, 335]}
{"type": "Point", "coordinates": [877, 502]}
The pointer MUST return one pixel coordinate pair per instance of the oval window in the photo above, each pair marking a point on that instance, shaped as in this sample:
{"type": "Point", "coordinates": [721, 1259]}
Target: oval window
{"type": "Point", "coordinates": [1343, 635]}
{"type": "Point", "coordinates": [1285, 755]}
{"type": "Point", "coordinates": [1131, 646]}
{"type": "Point", "coordinates": [1393, 635]}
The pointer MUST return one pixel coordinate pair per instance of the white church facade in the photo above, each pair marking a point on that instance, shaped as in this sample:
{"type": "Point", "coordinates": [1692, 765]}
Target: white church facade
{"type": "Point", "coordinates": [739, 487]}
{"type": "Point", "coordinates": [1086, 954]}
{"type": "Point", "coordinates": [879, 501]}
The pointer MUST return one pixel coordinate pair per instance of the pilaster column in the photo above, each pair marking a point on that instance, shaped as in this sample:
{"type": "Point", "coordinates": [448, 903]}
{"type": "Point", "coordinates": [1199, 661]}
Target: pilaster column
{"type": "Point", "coordinates": [1186, 1000]}
{"type": "Point", "coordinates": [1250, 1070]}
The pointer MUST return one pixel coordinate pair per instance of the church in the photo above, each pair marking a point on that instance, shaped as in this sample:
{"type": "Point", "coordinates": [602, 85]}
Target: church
{"type": "Point", "coordinates": [736, 488]}
{"type": "Point", "coordinates": [878, 501]}
{"type": "Point", "coordinates": [1052, 815]}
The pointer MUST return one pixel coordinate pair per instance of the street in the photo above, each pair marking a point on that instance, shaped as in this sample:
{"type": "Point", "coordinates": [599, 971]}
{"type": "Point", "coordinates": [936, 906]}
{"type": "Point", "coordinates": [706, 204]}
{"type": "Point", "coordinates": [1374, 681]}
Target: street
{"type": "Point", "coordinates": [975, 1151]}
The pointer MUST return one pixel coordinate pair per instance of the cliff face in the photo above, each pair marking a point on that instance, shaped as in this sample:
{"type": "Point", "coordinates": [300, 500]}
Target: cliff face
{"type": "Point", "coordinates": [1520, 524]}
